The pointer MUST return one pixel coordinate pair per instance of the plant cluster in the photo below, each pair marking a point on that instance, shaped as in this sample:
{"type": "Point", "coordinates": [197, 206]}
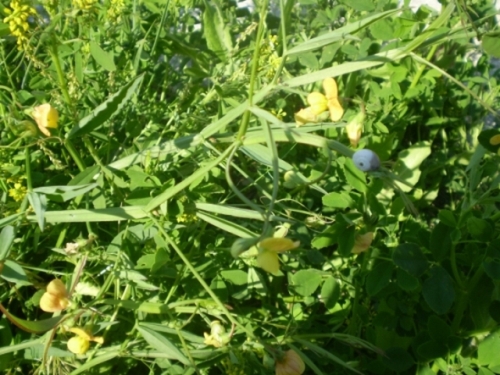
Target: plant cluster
{"type": "Point", "coordinates": [294, 187]}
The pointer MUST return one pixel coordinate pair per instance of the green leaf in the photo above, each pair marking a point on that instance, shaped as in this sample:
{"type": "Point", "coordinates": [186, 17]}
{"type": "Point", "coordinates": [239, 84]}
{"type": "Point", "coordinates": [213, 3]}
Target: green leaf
{"type": "Point", "coordinates": [216, 31]}
{"type": "Point", "coordinates": [379, 277]}
{"type": "Point", "coordinates": [441, 242]}
{"type": "Point", "coordinates": [94, 362]}
{"type": "Point", "coordinates": [409, 257]}
{"type": "Point", "coordinates": [338, 200]}
{"type": "Point", "coordinates": [355, 177]}
{"type": "Point", "coordinates": [64, 193]}
{"type": "Point", "coordinates": [382, 30]}
{"type": "Point", "coordinates": [330, 292]}
{"type": "Point", "coordinates": [397, 359]}
{"type": "Point", "coordinates": [432, 350]}
{"type": "Point", "coordinates": [408, 165]}
{"type": "Point", "coordinates": [38, 326]}
{"type": "Point", "coordinates": [339, 34]}
{"type": "Point", "coordinates": [5, 341]}
{"type": "Point", "coordinates": [360, 5]}
{"type": "Point", "coordinates": [438, 290]}
{"type": "Point", "coordinates": [39, 204]}
{"type": "Point", "coordinates": [107, 109]}
{"type": "Point", "coordinates": [170, 192]}
{"type": "Point", "coordinates": [447, 217]}
{"type": "Point", "coordinates": [6, 238]}
{"type": "Point", "coordinates": [491, 44]}
{"type": "Point", "coordinates": [406, 281]}
{"type": "Point", "coordinates": [162, 344]}
{"type": "Point", "coordinates": [438, 329]}
{"type": "Point", "coordinates": [103, 58]}
{"type": "Point", "coordinates": [488, 350]}
{"type": "Point", "coordinates": [486, 140]}
{"type": "Point", "coordinates": [305, 282]}
{"type": "Point", "coordinates": [14, 273]}
{"type": "Point", "coordinates": [236, 277]}
{"type": "Point", "coordinates": [479, 229]}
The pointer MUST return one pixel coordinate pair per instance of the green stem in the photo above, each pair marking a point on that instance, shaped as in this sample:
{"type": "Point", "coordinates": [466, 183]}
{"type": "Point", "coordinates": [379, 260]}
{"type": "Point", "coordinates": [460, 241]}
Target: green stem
{"type": "Point", "coordinates": [60, 73]}
{"type": "Point", "coordinates": [29, 181]}
{"type": "Point", "coordinates": [75, 155]}
{"type": "Point", "coordinates": [255, 67]}
{"type": "Point", "coordinates": [200, 279]}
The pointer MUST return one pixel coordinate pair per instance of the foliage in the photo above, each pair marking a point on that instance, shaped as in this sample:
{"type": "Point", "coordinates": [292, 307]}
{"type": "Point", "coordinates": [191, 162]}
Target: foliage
{"type": "Point", "coordinates": [171, 175]}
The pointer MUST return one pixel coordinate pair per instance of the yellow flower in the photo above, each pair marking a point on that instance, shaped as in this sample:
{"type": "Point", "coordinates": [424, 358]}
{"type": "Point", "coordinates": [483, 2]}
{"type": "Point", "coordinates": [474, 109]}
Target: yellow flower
{"type": "Point", "coordinates": [495, 140]}
{"type": "Point", "coordinates": [331, 92]}
{"type": "Point", "coordinates": [362, 242]}
{"type": "Point", "coordinates": [304, 116]}
{"type": "Point", "coordinates": [18, 192]}
{"type": "Point", "coordinates": [268, 258]}
{"type": "Point", "coordinates": [46, 117]}
{"type": "Point", "coordinates": [290, 364]}
{"type": "Point", "coordinates": [80, 343]}
{"type": "Point", "coordinates": [55, 298]}
{"type": "Point", "coordinates": [217, 337]}
{"type": "Point", "coordinates": [318, 103]}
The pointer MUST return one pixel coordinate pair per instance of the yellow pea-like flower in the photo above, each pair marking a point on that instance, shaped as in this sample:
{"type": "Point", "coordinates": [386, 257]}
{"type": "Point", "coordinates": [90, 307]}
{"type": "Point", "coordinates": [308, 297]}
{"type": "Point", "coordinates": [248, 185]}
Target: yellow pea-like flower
{"type": "Point", "coordinates": [318, 102]}
{"type": "Point", "coordinates": [330, 87]}
{"type": "Point", "coordinates": [268, 259]}
{"type": "Point", "coordinates": [46, 117]}
{"type": "Point", "coordinates": [55, 297]}
{"type": "Point", "coordinates": [304, 116]}
{"type": "Point", "coordinates": [80, 343]}
{"type": "Point", "coordinates": [495, 140]}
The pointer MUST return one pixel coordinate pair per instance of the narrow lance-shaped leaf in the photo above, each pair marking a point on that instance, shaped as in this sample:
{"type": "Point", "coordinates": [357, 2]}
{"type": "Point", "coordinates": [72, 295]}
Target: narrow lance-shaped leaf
{"type": "Point", "coordinates": [106, 110]}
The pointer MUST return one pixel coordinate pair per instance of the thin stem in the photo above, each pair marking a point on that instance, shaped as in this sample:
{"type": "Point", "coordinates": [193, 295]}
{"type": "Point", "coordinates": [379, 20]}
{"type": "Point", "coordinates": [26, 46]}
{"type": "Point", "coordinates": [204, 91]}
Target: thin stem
{"type": "Point", "coordinates": [75, 155]}
{"type": "Point", "coordinates": [195, 273]}
{"type": "Point", "coordinates": [255, 67]}
{"type": "Point", "coordinates": [60, 73]}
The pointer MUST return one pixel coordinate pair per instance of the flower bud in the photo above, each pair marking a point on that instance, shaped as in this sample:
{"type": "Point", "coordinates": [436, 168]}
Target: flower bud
{"type": "Point", "coordinates": [290, 364]}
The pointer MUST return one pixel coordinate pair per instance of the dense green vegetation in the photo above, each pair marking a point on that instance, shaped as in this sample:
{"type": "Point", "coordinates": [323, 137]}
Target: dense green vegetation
{"type": "Point", "coordinates": [178, 193]}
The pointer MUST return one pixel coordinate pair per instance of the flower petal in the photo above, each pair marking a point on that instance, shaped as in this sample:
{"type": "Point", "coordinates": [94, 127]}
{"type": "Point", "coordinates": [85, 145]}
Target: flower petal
{"type": "Point", "coordinates": [330, 87]}
{"type": "Point", "coordinates": [318, 102]}
{"type": "Point", "coordinates": [78, 345]}
{"type": "Point", "coordinates": [81, 333]}
{"type": "Point", "coordinates": [52, 303]}
{"type": "Point", "coordinates": [336, 110]}
{"type": "Point", "coordinates": [268, 261]}
{"type": "Point", "coordinates": [46, 117]}
{"type": "Point", "coordinates": [278, 244]}
{"type": "Point", "coordinates": [495, 140]}
{"type": "Point", "coordinates": [57, 288]}
{"type": "Point", "coordinates": [304, 116]}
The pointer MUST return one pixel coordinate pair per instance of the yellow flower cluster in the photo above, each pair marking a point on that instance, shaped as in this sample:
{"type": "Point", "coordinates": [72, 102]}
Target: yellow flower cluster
{"type": "Point", "coordinates": [187, 218]}
{"type": "Point", "coordinates": [115, 10]}
{"type": "Point", "coordinates": [18, 21]}
{"type": "Point", "coordinates": [18, 192]}
{"type": "Point", "coordinates": [84, 5]}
